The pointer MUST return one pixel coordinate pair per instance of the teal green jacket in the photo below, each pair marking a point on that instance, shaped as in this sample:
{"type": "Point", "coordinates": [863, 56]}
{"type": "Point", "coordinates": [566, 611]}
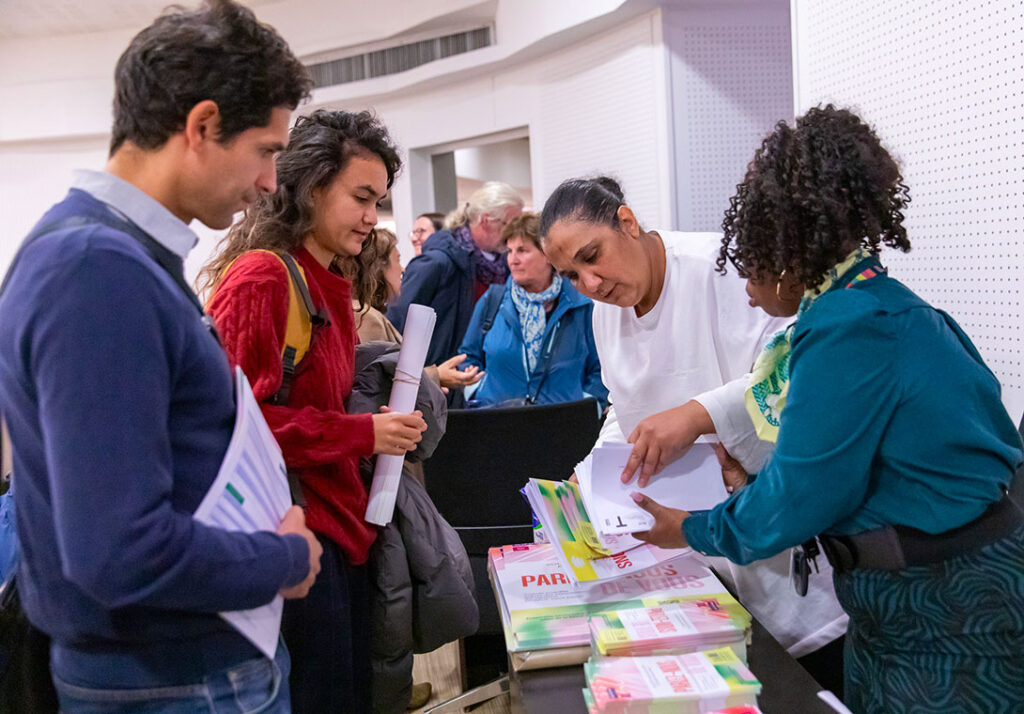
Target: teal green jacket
{"type": "Point", "coordinates": [892, 418]}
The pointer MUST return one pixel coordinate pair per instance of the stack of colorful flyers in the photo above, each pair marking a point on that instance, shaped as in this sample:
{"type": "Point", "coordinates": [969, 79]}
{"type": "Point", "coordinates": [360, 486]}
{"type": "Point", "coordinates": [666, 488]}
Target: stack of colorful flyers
{"type": "Point", "coordinates": [682, 684]}
{"type": "Point", "coordinates": [584, 556]}
{"type": "Point", "coordinates": [672, 628]}
{"type": "Point", "coordinates": [542, 609]}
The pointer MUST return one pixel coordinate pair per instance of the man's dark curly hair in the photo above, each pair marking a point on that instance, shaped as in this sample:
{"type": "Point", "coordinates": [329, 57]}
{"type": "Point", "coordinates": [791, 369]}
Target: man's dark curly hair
{"type": "Point", "coordinates": [219, 52]}
{"type": "Point", "coordinates": [812, 195]}
{"type": "Point", "coordinates": [320, 146]}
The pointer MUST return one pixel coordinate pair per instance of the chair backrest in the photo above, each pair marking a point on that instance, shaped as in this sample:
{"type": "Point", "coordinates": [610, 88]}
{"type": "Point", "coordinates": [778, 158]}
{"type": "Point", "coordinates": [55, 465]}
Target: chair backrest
{"type": "Point", "coordinates": [487, 455]}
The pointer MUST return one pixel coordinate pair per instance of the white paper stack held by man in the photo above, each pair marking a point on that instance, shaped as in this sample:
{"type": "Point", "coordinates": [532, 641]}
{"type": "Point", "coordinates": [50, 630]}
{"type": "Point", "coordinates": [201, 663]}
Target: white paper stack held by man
{"type": "Point", "coordinates": [250, 494]}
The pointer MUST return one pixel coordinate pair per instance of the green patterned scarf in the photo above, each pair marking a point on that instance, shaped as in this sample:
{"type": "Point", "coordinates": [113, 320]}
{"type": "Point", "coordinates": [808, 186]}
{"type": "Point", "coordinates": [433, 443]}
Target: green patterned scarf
{"type": "Point", "coordinates": [769, 381]}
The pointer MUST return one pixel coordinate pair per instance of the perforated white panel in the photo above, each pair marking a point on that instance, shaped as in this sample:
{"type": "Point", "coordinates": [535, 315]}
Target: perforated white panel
{"type": "Point", "coordinates": [943, 83]}
{"type": "Point", "coordinates": [731, 80]}
{"type": "Point", "coordinates": [597, 115]}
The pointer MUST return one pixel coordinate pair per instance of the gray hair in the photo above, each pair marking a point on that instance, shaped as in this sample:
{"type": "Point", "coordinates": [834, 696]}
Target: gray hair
{"type": "Point", "coordinates": [493, 198]}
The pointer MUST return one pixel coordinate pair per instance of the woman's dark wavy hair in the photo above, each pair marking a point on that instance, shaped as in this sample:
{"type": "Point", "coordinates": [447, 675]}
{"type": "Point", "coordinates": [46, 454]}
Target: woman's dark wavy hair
{"type": "Point", "coordinates": [320, 147]}
{"type": "Point", "coordinates": [812, 195]}
{"type": "Point", "coordinates": [219, 52]}
{"type": "Point", "coordinates": [366, 270]}
{"type": "Point", "coordinates": [592, 200]}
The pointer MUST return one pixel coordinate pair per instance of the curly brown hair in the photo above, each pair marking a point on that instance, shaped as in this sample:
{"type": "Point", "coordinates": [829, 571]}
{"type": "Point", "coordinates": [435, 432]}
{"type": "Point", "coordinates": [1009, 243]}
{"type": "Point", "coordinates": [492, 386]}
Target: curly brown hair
{"type": "Point", "coordinates": [812, 194]}
{"type": "Point", "coordinates": [320, 147]}
{"type": "Point", "coordinates": [366, 270]}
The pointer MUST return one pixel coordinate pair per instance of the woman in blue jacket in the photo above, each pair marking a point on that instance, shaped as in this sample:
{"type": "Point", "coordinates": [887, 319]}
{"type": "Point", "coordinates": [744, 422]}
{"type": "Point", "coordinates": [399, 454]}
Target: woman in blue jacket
{"type": "Point", "coordinates": [532, 336]}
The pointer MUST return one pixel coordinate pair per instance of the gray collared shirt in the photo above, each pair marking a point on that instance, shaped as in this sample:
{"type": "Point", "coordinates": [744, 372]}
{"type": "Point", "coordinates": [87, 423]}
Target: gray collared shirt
{"type": "Point", "coordinates": [138, 207]}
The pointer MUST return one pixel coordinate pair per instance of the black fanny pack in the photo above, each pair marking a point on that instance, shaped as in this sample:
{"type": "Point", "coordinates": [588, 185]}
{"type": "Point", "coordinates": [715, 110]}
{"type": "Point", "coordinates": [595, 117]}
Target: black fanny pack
{"type": "Point", "coordinates": [899, 547]}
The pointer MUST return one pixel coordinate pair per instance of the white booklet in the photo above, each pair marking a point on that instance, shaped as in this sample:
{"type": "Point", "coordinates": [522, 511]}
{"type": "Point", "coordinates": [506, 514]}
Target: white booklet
{"type": "Point", "coordinates": [691, 483]}
{"type": "Point", "coordinates": [250, 494]}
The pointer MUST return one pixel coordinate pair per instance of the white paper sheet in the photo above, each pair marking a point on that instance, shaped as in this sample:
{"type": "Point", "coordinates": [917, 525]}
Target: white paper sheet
{"type": "Point", "coordinates": [692, 483]}
{"type": "Point", "coordinates": [250, 494]}
{"type": "Point", "coordinates": [615, 543]}
{"type": "Point", "coordinates": [419, 327]}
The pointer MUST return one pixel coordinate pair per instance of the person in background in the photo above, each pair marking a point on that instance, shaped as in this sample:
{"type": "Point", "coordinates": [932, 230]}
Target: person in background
{"type": "Point", "coordinates": [893, 445]}
{"type": "Point", "coordinates": [668, 330]}
{"type": "Point", "coordinates": [426, 225]}
{"type": "Point", "coordinates": [120, 400]}
{"type": "Point", "coordinates": [457, 265]}
{"type": "Point", "coordinates": [335, 170]}
{"type": "Point", "coordinates": [376, 275]}
{"type": "Point", "coordinates": [532, 335]}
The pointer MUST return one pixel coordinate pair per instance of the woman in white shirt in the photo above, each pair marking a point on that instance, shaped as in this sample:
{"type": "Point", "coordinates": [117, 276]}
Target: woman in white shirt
{"type": "Point", "coordinates": [671, 332]}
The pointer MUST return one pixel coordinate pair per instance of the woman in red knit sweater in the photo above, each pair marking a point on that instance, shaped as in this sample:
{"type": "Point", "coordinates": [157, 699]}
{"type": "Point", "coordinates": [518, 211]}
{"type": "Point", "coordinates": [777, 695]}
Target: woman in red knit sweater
{"type": "Point", "coordinates": [336, 168]}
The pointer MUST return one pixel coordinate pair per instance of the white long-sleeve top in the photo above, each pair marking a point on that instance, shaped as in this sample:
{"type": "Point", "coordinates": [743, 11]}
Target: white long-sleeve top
{"type": "Point", "coordinates": [699, 341]}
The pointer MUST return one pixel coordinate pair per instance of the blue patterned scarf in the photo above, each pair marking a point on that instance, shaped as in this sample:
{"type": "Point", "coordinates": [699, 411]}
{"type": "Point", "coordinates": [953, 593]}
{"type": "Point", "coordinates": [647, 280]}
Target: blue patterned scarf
{"type": "Point", "coordinates": [486, 271]}
{"type": "Point", "coordinates": [533, 317]}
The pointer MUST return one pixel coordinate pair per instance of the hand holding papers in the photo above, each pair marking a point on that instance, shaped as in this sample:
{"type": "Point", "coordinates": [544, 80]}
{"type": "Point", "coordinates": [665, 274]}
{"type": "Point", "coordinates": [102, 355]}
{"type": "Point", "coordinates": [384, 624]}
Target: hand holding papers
{"type": "Point", "coordinates": [585, 557]}
{"type": "Point", "coordinates": [590, 525]}
{"type": "Point", "coordinates": [691, 483]}
{"type": "Point", "coordinates": [295, 523]}
{"type": "Point", "coordinates": [419, 327]}
{"type": "Point", "coordinates": [250, 494]}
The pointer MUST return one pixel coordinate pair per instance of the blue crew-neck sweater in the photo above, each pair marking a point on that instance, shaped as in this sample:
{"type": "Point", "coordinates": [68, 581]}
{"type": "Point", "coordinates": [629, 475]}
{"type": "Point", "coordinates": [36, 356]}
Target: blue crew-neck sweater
{"type": "Point", "coordinates": [120, 407]}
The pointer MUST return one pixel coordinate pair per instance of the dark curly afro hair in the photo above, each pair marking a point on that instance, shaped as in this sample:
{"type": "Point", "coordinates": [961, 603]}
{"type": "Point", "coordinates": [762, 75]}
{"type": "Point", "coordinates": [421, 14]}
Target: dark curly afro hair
{"type": "Point", "coordinates": [813, 194]}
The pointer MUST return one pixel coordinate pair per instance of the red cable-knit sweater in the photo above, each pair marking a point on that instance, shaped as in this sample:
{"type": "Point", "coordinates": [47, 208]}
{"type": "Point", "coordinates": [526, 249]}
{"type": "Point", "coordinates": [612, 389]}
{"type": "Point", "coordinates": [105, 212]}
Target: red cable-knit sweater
{"type": "Point", "coordinates": [250, 307]}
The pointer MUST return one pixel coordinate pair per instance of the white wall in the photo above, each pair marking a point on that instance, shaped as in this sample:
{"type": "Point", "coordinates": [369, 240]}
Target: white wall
{"type": "Point", "coordinates": [730, 75]}
{"type": "Point", "coordinates": [508, 161]}
{"type": "Point", "coordinates": [56, 93]}
{"type": "Point", "coordinates": [55, 86]}
{"type": "Point", "coordinates": [34, 176]}
{"type": "Point", "coordinates": [571, 101]}
{"type": "Point", "coordinates": [942, 87]}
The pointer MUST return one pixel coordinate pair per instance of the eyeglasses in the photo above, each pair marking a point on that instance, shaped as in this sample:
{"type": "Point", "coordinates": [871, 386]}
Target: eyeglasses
{"type": "Point", "coordinates": [500, 222]}
{"type": "Point", "coordinates": [417, 232]}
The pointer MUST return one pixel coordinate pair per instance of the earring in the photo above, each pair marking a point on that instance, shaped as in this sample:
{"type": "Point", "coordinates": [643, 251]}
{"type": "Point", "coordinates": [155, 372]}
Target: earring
{"type": "Point", "coordinates": [778, 285]}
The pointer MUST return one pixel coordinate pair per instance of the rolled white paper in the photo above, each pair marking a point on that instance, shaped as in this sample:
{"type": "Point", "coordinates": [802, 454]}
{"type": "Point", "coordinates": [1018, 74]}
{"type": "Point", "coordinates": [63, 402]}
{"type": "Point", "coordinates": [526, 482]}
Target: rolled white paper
{"type": "Point", "coordinates": [419, 327]}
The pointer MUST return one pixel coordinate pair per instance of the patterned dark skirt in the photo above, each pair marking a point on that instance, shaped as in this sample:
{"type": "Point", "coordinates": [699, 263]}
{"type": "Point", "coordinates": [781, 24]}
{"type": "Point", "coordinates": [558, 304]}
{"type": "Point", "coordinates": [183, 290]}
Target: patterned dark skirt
{"type": "Point", "coordinates": [938, 639]}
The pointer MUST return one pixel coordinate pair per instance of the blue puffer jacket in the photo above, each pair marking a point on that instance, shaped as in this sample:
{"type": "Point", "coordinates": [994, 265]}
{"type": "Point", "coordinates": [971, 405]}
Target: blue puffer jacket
{"type": "Point", "coordinates": [442, 277]}
{"type": "Point", "coordinates": [573, 370]}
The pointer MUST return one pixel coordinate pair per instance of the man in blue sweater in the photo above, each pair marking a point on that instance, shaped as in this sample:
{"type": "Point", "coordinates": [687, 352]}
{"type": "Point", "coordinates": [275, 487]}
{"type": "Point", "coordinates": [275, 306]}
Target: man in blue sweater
{"type": "Point", "coordinates": [119, 398]}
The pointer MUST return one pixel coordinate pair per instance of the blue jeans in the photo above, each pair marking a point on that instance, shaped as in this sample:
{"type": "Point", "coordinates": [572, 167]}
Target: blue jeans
{"type": "Point", "coordinates": [257, 686]}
